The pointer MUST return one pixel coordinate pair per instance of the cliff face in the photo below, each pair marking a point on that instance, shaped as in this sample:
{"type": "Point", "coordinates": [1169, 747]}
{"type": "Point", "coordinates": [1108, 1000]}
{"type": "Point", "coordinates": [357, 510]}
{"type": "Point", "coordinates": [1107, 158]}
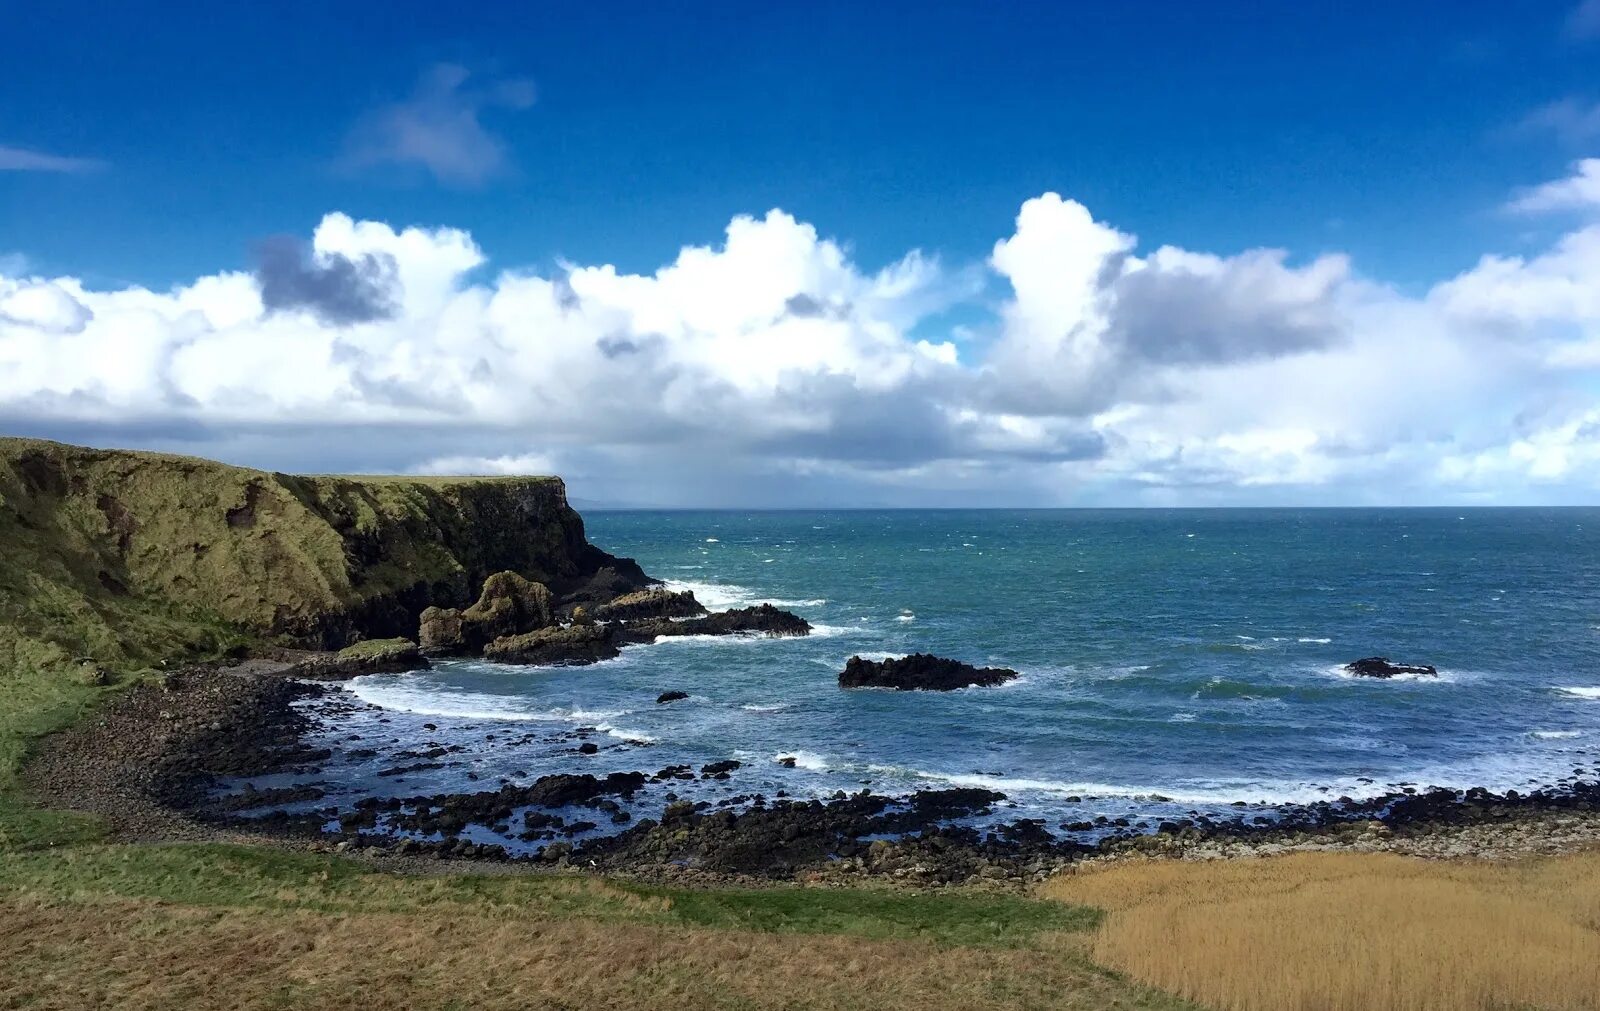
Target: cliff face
{"type": "Point", "coordinates": [137, 557]}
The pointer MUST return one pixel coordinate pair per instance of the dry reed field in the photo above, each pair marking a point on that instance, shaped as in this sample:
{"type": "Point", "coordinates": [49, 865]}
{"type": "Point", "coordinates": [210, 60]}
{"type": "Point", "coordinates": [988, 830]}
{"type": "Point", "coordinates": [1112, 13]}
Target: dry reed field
{"type": "Point", "coordinates": [1337, 931]}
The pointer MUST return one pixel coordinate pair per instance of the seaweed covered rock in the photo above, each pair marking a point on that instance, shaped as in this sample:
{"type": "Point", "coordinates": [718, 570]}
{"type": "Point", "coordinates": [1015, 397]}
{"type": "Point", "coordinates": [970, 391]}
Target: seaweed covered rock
{"type": "Point", "coordinates": [655, 602]}
{"type": "Point", "coordinates": [509, 604]}
{"type": "Point", "coordinates": [377, 656]}
{"type": "Point", "coordinates": [763, 619]}
{"type": "Point", "coordinates": [572, 645]}
{"type": "Point", "coordinates": [1381, 667]}
{"type": "Point", "coordinates": [920, 672]}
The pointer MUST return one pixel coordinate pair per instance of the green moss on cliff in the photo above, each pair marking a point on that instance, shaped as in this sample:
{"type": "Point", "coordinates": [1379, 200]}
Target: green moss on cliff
{"type": "Point", "coordinates": [139, 558]}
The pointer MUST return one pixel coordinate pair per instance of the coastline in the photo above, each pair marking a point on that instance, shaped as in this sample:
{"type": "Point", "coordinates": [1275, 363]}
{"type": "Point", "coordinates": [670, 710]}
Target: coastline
{"type": "Point", "coordinates": [146, 760]}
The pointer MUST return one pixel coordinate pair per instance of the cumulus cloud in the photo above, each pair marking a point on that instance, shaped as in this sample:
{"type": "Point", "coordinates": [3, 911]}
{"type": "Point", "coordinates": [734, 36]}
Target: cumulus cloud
{"type": "Point", "coordinates": [21, 159]}
{"type": "Point", "coordinates": [440, 128]}
{"type": "Point", "coordinates": [770, 368]}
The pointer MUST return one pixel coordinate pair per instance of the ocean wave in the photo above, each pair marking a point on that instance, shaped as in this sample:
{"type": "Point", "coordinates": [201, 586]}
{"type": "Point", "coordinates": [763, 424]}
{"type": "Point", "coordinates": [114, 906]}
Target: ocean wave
{"type": "Point", "coordinates": [380, 691]}
{"type": "Point", "coordinates": [1581, 692]}
{"type": "Point", "coordinates": [1307, 638]}
{"type": "Point", "coordinates": [835, 631]}
{"type": "Point", "coordinates": [1555, 735]}
{"type": "Point", "coordinates": [808, 760]}
{"type": "Point", "coordinates": [767, 707]}
{"type": "Point", "coordinates": [721, 596]}
{"type": "Point", "coordinates": [1443, 677]}
{"type": "Point", "coordinates": [906, 616]}
{"type": "Point", "coordinates": [706, 639]}
{"type": "Point", "coordinates": [624, 734]}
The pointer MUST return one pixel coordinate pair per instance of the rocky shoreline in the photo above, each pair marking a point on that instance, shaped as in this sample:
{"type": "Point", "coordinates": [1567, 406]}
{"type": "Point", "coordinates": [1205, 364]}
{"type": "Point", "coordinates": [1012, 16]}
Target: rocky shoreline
{"type": "Point", "coordinates": [148, 761]}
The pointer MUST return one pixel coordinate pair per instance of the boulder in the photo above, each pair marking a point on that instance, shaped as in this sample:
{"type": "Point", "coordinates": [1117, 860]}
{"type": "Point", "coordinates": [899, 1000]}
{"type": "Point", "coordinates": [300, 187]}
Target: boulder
{"type": "Point", "coordinates": [508, 605]}
{"type": "Point", "coordinates": [377, 656]}
{"type": "Point", "coordinates": [655, 602]}
{"type": "Point", "coordinates": [666, 697]}
{"type": "Point", "coordinates": [1382, 667]}
{"type": "Point", "coordinates": [572, 645]}
{"type": "Point", "coordinates": [920, 672]}
{"type": "Point", "coordinates": [439, 631]}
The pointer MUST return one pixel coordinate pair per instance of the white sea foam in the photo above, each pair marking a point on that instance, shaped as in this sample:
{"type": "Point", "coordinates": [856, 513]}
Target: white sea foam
{"type": "Point", "coordinates": [1443, 677]}
{"type": "Point", "coordinates": [835, 631]}
{"type": "Point", "coordinates": [805, 760]}
{"type": "Point", "coordinates": [767, 707]}
{"type": "Point", "coordinates": [1581, 693]}
{"type": "Point", "coordinates": [712, 540]}
{"type": "Point", "coordinates": [1181, 718]}
{"type": "Point", "coordinates": [1307, 638]}
{"type": "Point", "coordinates": [385, 692]}
{"type": "Point", "coordinates": [719, 596]}
{"type": "Point", "coordinates": [1555, 735]}
{"type": "Point", "coordinates": [906, 616]}
{"type": "Point", "coordinates": [624, 734]}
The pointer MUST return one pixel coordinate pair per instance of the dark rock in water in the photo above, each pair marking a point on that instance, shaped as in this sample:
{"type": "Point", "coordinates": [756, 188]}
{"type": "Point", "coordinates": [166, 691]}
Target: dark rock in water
{"type": "Point", "coordinates": [655, 602]}
{"type": "Point", "coordinates": [588, 748]}
{"type": "Point", "coordinates": [666, 697]}
{"type": "Point", "coordinates": [920, 672]}
{"type": "Point", "coordinates": [718, 768]}
{"type": "Point", "coordinates": [575, 644]}
{"type": "Point", "coordinates": [765, 619]}
{"type": "Point", "coordinates": [1381, 667]}
{"type": "Point", "coordinates": [787, 761]}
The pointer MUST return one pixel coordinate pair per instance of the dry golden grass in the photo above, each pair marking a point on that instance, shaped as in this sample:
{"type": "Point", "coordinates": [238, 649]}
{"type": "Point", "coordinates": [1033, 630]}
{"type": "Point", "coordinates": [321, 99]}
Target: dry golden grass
{"type": "Point", "coordinates": [1332, 931]}
{"type": "Point", "coordinates": [140, 954]}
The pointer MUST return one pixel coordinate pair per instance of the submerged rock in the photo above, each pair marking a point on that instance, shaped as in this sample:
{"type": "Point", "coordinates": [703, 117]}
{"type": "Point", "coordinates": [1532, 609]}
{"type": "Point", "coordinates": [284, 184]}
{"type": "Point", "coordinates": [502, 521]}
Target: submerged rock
{"type": "Point", "coordinates": [1382, 667]}
{"type": "Point", "coordinates": [572, 645]}
{"type": "Point", "coordinates": [920, 672]}
{"type": "Point", "coordinates": [666, 697]}
{"type": "Point", "coordinates": [655, 602]}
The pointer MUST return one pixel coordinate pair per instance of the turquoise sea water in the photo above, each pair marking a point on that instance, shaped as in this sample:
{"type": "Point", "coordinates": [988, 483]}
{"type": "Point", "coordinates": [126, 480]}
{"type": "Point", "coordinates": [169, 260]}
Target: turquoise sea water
{"type": "Point", "coordinates": [1172, 660]}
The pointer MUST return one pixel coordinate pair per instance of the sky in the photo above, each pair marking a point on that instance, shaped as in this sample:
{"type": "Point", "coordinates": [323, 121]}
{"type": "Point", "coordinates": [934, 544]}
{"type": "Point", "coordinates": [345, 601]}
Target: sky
{"type": "Point", "coordinates": [822, 254]}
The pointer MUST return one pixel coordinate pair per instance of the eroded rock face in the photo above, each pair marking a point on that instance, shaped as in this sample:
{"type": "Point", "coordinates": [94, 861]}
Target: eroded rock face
{"type": "Point", "coordinates": [1382, 667]}
{"type": "Point", "coordinates": [920, 672]}
{"type": "Point", "coordinates": [764, 619]}
{"type": "Point", "coordinates": [574, 644]}
{"type": "Point", "coordinates": [508, 605]}
{"type": "Point", "coordinates": [655, 602]}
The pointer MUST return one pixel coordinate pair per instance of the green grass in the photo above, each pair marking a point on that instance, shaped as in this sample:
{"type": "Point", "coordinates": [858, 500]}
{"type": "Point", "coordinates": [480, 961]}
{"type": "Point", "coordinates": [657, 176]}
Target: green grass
{"type": "Point", "coordinates": [228, 876]}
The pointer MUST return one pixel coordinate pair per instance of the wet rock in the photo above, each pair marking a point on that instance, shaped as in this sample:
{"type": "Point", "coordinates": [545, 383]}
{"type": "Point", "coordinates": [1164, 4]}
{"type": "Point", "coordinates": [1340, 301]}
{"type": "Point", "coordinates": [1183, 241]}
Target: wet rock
{"type": "Point", "coordinates": [1382, 667]}
{"type": "Point", "coordinates": [574, 644]}
{"type": "Point", "coordinates": [763, 619]}
{"type": "Point", "coordinates": [920, 672]}
{"type": "Point", "coordinates": [666, 697]}
{"type": "Point", "coordinates": [655, 602]}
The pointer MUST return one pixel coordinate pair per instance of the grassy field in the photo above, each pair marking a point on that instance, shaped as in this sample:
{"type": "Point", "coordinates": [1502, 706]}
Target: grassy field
{"type": "Point", "coordinates": [86, 923]}
{"type": "Point", "coordinates": [1336, 931]}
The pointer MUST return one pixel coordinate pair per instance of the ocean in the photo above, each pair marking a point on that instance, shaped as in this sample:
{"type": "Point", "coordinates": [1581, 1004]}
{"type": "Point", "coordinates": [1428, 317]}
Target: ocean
{"type": "Point", "coordinates": [1173, 661]}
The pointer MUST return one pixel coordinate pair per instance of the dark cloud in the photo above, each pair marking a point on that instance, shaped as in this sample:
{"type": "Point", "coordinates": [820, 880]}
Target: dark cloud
{"type": "Point", "coordinates": [804, 306]}
{"type": "Point", "coordinates": [337, 289]}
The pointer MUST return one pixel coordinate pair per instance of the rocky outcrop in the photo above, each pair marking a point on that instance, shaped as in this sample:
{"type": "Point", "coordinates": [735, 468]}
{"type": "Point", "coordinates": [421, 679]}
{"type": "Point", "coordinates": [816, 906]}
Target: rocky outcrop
{"type": "Point", "coordinates": [666, 697]}
{"type": "Point", "coordinates": [1382, 667]}
{"type": "Point", "coordinates": [556, 646]}
{"type": "Point", "coordinates": [763, 619]}
{"type": "Point", "coordinates": [508, 605]}
{"type": "Point", "coordinates": [381, 656]}
{"type": "Point", "coordinates": [920, 672]}
{"type": "Point", "coordinates": [655, 602]}
{"type": "Point", "coordinates": [150, 557]}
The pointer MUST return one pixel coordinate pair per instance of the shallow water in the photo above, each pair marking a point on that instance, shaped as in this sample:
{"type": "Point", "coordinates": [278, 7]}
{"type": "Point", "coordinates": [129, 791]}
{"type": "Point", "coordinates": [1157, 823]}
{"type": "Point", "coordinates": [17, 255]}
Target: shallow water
{"type": "Point", "coordinates": [1172, 661]}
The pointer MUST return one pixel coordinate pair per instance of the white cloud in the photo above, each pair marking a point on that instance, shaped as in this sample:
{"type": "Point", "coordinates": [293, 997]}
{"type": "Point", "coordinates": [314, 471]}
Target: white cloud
{"type": "Point", "coordinates": [440, 129]}
{"type": "Point", "coordinates": [772, 369]}
{"type": "Point", "coordinates": [21, 159]}
{"type": "Point", "coordinates": [1578, 192]}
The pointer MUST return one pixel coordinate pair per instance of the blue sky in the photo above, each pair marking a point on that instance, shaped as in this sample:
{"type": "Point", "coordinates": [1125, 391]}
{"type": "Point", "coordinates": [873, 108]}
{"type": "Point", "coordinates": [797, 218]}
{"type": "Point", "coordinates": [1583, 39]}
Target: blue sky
{"type": "Point", "coordinates": [1386, 143]}
{"type": "Point", "coordinates": [1384, 129]}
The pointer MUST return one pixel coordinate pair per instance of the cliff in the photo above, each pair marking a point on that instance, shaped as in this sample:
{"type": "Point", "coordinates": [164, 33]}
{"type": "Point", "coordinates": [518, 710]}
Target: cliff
{"type": "Point", "coordinates": [136, 558]}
